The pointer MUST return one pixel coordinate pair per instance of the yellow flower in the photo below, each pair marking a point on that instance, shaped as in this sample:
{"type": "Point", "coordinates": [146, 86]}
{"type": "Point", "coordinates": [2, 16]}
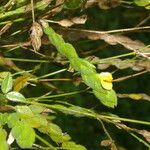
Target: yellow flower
{"type": "Point", "coordinates": [106, 80]}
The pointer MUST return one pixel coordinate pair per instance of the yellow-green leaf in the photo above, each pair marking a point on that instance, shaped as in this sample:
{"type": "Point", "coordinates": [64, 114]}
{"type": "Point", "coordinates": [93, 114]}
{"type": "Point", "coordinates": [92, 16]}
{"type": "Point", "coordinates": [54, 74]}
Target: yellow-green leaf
{"type": "Point", "coordinates": [21, 82]}
{"type": "Point", "coordinates": [7, 83]}
{"type": "Point", "coordinates": [15, 96]}
{"type": "Point", "coordinates": [3, 143]}
{"type": "Point", "coordinates": [24, 134]}
{"type": "Point", "coordinates": [106, 80]}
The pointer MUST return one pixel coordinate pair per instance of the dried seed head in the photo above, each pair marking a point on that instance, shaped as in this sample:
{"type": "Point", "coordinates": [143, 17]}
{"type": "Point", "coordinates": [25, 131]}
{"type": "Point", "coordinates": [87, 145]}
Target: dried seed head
{"type": "Point", "coordinates": [35, 35]}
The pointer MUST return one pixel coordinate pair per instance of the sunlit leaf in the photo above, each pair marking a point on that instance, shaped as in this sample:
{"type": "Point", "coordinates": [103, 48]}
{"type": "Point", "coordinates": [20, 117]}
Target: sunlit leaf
{"type": "Point", "coordinates": [72, 146]}
{"type": "Point", "coordinates": [12, 120]}
{"type": "Point", "coordinates": [3, 118]}
{"type": "Point", "coordinates": [135, 96]}
{"type": "Point", "coordinates": [24, 134]}
{"type": "Point", "coordinates": [106, 80]}
{"type": "Point", "coordinates": [145, 3]}
{"type": "Point", "coordinates": [3, 143]}
{"type": "Point", "coordinates": [21, 82]}
{"type": "Point", "coordinates": [15, 96]}
{"type": "Point", "coordinates": [55, 133]}
{"type": "Point", "coordinates": [7, 83]}
{"type": "Point", "coordinates": [108, 98]}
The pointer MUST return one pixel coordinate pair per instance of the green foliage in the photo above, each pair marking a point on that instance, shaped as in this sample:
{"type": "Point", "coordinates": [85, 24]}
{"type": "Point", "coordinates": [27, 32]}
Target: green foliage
{"type": "Point", "coordinates": [24, 134]}
{"type": "Point", "coordinates": [39, 95]}
{"type": "Point", "coordinates": [86, 69]}
{"type": "Point", "coordinates": [15, 96]}
{"type": "Point", "coordinates": [3, 143]}
{"type": "Point", "coordinates": [7, 83]}
{"type": "Point", "coordinates": [73, 4]}
{"type": "Point", "coordinates": [144, 3]}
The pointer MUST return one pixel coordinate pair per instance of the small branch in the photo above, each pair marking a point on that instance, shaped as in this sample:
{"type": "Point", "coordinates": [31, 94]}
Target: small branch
{"type": "Point", "coordinates": [32, 6]}
{"type": "Point", "coordinates": [130, 76]}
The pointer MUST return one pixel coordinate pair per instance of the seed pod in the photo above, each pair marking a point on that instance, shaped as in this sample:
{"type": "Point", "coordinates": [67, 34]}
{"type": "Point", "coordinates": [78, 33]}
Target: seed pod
{"type": "Point", "coordinates": [35, 35]}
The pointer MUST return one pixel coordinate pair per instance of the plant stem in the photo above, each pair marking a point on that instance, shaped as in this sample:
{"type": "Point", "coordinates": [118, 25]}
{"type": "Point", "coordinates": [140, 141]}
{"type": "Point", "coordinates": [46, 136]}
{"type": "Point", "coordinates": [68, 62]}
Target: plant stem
{"type": "Point", "coordinates": [44, 141]}
{"type": "Point", "coordinates": [28, 60]}
{"type": "Point", "coordinates": [125, 119]}
{"type": "Point", "coordinates": [140, 140]}
{"type": "Point", "coordinates": [54, 96]}
{"type": "Point", "coordinates": [50, 74]}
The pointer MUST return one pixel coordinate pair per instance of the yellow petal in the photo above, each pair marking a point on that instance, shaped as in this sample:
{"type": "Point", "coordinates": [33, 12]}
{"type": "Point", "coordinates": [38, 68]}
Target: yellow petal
{"type": "Point", "coordinates": [106, 80]}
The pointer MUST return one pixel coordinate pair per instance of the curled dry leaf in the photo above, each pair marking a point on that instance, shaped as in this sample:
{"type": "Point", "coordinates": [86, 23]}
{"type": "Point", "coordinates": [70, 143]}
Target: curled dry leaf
{"type": "Point", "coordinates": [145, 134]}
{"type": "Point", "coordinates": [69, 22]}
{"type": "Point", "coordinates": [106, 143]}
{"type": "Point", "coordinates": [134, 96]}
{"type": "Point", "coordinates": [35, 36]}
{"type": "Point", "coordinates": [59, 7]}
{"type": "Point", "coordinates": [136, 65]}
{"type": "Point", "coordinates": [134, 45]}
{"type": "Point", "coordinates": [110, 143]}
{"type": "Point", "coordinates": [21, 81]}
{"type": "Point", "coordinates": [105, 4]}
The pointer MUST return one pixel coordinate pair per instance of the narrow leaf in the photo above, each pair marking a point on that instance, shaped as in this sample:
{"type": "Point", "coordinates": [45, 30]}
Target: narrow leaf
{"type": "Point", "coordinates": [7, 83]}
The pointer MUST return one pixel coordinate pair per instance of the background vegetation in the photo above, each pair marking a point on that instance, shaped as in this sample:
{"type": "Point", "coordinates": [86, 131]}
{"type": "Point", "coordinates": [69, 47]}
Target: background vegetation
{"type": "Point", "coordinates": [46, 102]}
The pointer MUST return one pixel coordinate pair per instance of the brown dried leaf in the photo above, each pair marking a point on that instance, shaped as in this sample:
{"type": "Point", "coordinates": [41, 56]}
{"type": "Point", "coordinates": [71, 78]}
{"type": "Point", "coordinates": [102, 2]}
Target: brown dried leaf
{"type": "Point", "coordinates": [136, 65]}
{"type": "Point", "coordinates": [133, 45]}
{"type": "Point", "coordinates": [35, 36]}
{"type": "Point", "coordinates": [106, 143]}
{"type": "Point", "coordinates": [109, 143]}
{"type": "Point", "coordinates": [59, 8]}
{"type": "Point", "coordinates": [69, 22]}
{"type": "Point", "coordinates": [8, 62]}
{"type": "Point", "coordinates": [145, 134]}
{"type": "Point", "coordinates": [105, 4]}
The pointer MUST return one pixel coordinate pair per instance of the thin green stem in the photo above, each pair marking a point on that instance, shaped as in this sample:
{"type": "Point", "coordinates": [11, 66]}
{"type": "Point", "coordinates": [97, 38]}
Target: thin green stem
{"type": "Point", "coordinates": [28, 60]}
{"type": "Point", "coordinates": [16, 20]}
{"type": "Point", "coordinates": [140, 140]}
{"type": "Point", "coordinates": [51, 74]}
{"type": "Point", "coordinates": [44, 141]}
{"type": "Point", "coordinates": [33, 16]}
{"type": "Point", "coordinates": [54, 96]}
{"type": "Point", "coordinates": [125, 119]}
{"type": "Point", "coordinates": [90, 113]}
{"type": "Point", "coordinates": [105, 130]}
{"type": "Point", "coordinates": [114, 57]}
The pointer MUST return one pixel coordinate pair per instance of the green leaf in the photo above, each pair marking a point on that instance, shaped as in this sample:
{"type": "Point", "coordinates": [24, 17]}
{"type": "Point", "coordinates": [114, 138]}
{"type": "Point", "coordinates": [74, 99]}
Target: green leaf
{"type": "Point", "coordinates": [3, 142]}
{"type": "Point", "coordinates": [7, 83]}
{"type": "Point", "coordinates": [15, 96]}
{"type": "Point", "coordinates": [55, 133]}
{"type": "Point", "coordinates": [21, 81]}
{"type": "Point", "coordinates": [73, 4]}
{"type": "Point", "coordinates": [3, 99]}
{"type": "Point", "coordinates": [72, 146]}
{"type": "Point", "coordinates": [108, 98]}
{"type": "Point", "coordinates": [3, 118]}
{"type": "Point", "coordinates": [24, 110]}
{"type": "Point", "coordinates": [37, 109]}
{"type": "Point", "coordinates": [144, 3]}
{"type": "Point", "coordinates": [34, 120]}
{"type": "Point", "coordinates": [24, 134]}
{"type": "Point", "coordinates": [12, 120]}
